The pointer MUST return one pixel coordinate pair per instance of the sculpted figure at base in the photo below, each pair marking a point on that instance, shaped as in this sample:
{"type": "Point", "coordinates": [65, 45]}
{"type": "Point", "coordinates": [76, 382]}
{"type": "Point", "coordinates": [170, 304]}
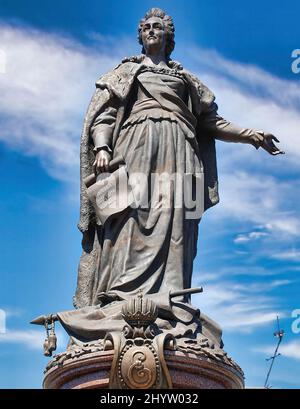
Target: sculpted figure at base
{"type": "Point", "coordinates": [160, 119]}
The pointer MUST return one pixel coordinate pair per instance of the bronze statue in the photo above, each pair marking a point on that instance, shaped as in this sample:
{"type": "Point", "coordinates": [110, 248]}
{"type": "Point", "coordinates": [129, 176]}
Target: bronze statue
{"type": "Point", "coordinates": [159, 118]}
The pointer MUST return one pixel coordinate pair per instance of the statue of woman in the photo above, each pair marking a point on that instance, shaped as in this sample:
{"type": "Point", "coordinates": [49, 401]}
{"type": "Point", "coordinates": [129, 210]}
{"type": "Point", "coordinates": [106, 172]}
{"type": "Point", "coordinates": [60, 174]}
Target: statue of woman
{"type": "Point", "coordinates": [159, 118]}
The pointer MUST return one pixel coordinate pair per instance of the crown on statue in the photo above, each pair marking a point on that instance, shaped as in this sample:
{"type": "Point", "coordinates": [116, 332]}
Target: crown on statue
{"type": "Point", "coordinates": [139, 311]}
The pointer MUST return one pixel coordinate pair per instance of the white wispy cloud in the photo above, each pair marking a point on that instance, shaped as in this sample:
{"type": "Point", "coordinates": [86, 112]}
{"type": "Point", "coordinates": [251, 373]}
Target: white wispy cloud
{"type": "Point", "coordinates": [233, 271]}
{"type": "Point", "coordinates": [253, 97]}
{"type": "Point", "coordinates": [45, 91]}
{"type": "Point", "coordinates": [255, 187]}
{"type": "Point", "coordinates": [249, 76]}
{"type": "Point", "coordinates": [32, 339]}
{"type": "Point", "coordinates": [12, 311]}
{"type": "Point", "coordinates": [290, 255]}
{"type": "Point", "coordinates": [289, 350]}
{"type": "Point", "coordinates": [269, 204]}
{"type": "Point", "coordinates": [2, 321]}
{"type": "Point", "coordinates": [254, 235]}
{"type": "Point", "coordinates": [240, 307]}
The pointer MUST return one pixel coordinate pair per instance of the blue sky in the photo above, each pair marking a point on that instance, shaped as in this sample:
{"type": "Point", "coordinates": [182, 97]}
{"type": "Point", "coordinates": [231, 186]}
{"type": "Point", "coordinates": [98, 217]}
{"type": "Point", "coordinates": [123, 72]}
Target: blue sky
{"type": "Point", "coordinates": [249, 247]}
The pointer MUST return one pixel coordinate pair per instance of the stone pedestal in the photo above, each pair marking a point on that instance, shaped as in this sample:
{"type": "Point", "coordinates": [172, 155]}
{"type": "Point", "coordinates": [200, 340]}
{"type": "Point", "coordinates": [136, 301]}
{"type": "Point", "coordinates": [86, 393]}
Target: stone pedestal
{"type": "Point", "coordinates": [187, 371]}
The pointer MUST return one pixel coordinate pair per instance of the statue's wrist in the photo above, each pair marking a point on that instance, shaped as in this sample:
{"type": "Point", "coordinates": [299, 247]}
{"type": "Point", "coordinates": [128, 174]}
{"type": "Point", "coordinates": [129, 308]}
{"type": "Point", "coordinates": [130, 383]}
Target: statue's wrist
{"type": "Point", "coordinates": [257, 138]}
{"type": "Point", "coordinates": [105, 148]}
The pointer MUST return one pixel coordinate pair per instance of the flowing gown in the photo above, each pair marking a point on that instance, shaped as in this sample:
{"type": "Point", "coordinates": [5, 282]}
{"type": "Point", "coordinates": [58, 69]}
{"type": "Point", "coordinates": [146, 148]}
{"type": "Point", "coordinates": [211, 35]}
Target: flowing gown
{"type": "Point", "coordinates": [151, 248]}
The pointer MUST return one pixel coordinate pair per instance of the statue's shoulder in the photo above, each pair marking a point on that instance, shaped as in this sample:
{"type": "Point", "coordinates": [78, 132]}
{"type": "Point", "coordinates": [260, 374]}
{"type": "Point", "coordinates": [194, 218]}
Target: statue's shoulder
{"type": "Point", "coordinates": [203, 91]}
{"type": "Point", "coordinates": [118, 81]}
{"type": "Point", "coordinates": [206, 96]}
{"type": "Point", "coordinates": [123, 71]}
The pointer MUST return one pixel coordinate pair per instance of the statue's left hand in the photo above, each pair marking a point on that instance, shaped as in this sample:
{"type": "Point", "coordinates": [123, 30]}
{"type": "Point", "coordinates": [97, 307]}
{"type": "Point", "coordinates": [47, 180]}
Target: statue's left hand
{"type": "Point", "coordinates": [268, 145]}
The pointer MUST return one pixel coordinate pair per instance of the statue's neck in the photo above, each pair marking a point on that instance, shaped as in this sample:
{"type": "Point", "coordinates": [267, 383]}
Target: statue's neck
{"type": "Point", "coordinates": [155, 59]}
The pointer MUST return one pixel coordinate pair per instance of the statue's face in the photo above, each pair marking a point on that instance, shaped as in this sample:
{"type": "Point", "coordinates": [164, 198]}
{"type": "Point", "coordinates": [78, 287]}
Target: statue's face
{"type": "Point", "coordinates": [153, 35]}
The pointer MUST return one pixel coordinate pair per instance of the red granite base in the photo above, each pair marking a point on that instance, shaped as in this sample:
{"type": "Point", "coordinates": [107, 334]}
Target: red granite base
{"type": "Point", "coordinates": [187, 370]}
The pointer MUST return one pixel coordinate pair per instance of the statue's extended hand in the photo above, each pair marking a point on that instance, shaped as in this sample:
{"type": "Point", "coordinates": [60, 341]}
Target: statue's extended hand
{"type": "Point", "coordinates": [102, 161]}
{"type": "Point", "coordinates": [268, 144]}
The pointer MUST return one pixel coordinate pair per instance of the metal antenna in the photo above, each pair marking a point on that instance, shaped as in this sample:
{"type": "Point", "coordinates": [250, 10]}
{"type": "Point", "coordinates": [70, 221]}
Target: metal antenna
{"type": "Point", "coordinates": [278, 334]}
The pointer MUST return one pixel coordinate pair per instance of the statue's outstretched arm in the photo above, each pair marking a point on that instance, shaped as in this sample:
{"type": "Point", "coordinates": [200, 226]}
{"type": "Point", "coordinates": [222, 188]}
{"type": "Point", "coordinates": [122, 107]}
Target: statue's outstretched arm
{"type": "Point", "coordinates": [226, 131]}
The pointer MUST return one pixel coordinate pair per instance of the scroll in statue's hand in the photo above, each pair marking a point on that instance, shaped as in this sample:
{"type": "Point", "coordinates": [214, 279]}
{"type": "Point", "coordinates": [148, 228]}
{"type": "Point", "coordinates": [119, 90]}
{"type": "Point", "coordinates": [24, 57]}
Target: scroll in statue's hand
{"type": "Point", "coordinates": [102, 161]}
{"type": "Point", "coordinates": [268, 145]}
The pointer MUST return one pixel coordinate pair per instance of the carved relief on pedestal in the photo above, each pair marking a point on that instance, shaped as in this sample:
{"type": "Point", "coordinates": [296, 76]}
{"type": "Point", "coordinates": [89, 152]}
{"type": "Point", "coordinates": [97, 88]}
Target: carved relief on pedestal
{"type": "Point", "coordinates": [139, 359]}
